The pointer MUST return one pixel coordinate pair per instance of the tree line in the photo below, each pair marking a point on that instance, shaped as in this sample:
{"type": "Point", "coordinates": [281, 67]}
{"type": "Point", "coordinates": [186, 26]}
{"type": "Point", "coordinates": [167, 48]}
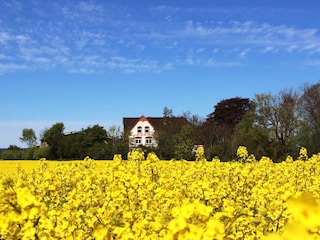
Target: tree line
{"type": "Point", "coordinates": [93, 141]}
{"type": "Point", "coordinates": [273, 125]}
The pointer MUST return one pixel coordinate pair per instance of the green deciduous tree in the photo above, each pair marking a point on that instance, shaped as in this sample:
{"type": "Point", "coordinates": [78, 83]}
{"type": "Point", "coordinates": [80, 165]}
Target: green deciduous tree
{"type": "Point", "coordinates": [95, 141]}
{"type": "Point", "coordinates": [167, 113]}
{"type": "Point", "coordinates": [219, 127]}
{"type": "Point", "coordinates": [95, 134]}
{"type": "Point", "coordinates": [54, 138]}
{"type": "Point", "coordinates": [168, 133]}
{"type": "Point", "coordinates": [29, 137]}
{"type": "Point", "coordinates": [270, 127]}
{"type": "Point", "coordinates": [116, 142]}
{"type": "Point", "coordinates": [287, 104]}
{"type": "Point", "coordinates": [13, 153]}
{"type": "Point", "coordinates": [184, 142]}
{"type": "Point", "coordinates": [229, 111]}
{"type": "Point", "coordinates": [309, 110]}
{"type": "Point", "coordinates": [252, 135]}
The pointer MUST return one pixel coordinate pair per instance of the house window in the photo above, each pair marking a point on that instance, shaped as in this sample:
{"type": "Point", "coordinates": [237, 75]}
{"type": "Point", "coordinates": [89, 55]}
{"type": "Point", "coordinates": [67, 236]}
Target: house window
{"type": "Point", "coordinates": [146, 129]}
{"type": "Point", "coordinates": [139, 130]}
{"type": "Point", "coordinates": [138, 140]}
{"type": "Point", "coordinates": [148, 141]}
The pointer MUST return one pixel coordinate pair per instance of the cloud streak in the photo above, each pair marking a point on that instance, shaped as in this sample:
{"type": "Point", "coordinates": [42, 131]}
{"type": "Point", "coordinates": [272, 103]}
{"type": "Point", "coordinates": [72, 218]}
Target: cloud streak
{"type": "Point", "coordinates": [253, 34]}
{"type": "Point", "coordinates": [90, 38]}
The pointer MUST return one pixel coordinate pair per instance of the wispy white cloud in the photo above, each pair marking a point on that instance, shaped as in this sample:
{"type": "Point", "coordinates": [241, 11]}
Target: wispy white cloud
{"type": "Point", "coordinates": [213, 63]}
{"type": "Point", "coordinates": [4, 37]}
{"type": "Point", "coordinates": [84, 12]}
{"type": "Point", "coordinates": [89, 7]}
{"type": "Point", "coordinates": [252, 34]}
{"type": "Point", "coordinates": [134, 65]}
{"type": "Point", "coordinates": [11, 67]}
{"type": "Point", "coordinates": [244, 52]}
{"type": "Point", "coordinates": [89, 37]}
{"type": "Point", "coordinates": [201, 58]}
{"type": "Point", "coordinates": [93, 64]}
{"type": "Point", "coordinates": [268, 49]}
{"type": "Point", "coordinates": [82, 70]}
{"type": "Point", "coordinates": [13, 5]}
{"type": "Point", "coordinates": [5, 57]}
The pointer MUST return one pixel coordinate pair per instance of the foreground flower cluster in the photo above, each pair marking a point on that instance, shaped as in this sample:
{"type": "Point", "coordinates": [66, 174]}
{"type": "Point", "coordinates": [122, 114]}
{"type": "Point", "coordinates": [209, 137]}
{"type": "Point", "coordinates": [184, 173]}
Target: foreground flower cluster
{"type": "Point", "coordinates": [147, 198]}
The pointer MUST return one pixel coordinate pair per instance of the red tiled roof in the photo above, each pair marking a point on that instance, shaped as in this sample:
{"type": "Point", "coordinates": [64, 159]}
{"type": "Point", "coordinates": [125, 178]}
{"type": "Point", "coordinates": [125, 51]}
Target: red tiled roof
{"type": "Point", "coordinates": [143, 118]}
{"type": "Point", "coordinates": [130, 122]}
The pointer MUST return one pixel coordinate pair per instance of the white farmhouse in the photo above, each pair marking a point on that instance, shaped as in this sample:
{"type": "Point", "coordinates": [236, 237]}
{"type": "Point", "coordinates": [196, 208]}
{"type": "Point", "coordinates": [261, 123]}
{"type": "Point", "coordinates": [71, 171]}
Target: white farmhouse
{"type": "Point", "coordinates": [142, 132]}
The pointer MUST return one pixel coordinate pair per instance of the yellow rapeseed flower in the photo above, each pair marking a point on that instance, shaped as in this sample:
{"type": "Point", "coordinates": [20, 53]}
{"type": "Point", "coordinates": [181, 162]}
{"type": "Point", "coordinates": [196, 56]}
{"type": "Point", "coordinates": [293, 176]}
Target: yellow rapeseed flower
{"type": "Point", "coordinates": [100, 232]}
{"type": "Point", "coordinates": [157, 199]}
{"type": "Point", "coordinates": [177, 224]}
{"type": "Point", "coordinates": [214, 229]}
{"type": "Point", "coordinates": [242, 153]}
{"type": "Point", "coordinates": [303, 153]}
{"type": "Point", "coordinates": [305, 209]}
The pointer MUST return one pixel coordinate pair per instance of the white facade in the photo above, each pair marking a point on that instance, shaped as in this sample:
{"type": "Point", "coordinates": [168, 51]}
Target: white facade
{"type": "Point", "coordinates": [142, 134]}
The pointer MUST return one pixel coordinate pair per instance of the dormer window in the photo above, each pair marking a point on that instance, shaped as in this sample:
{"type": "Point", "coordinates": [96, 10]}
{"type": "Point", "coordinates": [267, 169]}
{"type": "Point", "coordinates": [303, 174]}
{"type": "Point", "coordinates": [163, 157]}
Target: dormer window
{"type": "Point", "coordinates": [139, 130]}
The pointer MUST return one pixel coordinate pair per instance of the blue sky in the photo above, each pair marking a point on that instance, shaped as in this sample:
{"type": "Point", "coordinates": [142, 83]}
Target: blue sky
{"type": "Point", "coordinates": [94, 62]}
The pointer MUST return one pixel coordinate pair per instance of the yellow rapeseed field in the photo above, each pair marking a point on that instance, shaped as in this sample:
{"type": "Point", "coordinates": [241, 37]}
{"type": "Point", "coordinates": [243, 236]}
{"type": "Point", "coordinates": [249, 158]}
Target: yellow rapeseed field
{"type": "Point", "coordinates": [146, 198]}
